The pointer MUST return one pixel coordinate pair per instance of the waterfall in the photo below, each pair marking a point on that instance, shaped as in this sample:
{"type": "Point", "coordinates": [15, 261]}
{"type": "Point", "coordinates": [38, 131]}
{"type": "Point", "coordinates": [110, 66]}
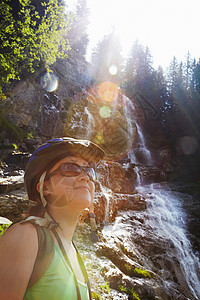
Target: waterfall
{"type": "Point", "coordinates": [143, 148]}
{"type": "Point", "coordinates": [167, 219]}
{"type": "Point", "coordinates": [107, 194]}
{"type": "Point", "coordinates": [90, 123]}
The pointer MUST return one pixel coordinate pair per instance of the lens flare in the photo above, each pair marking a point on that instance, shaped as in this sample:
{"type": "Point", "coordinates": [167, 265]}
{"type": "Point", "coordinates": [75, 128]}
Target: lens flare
{"type": "Point", "coordinates": [105, 111]}
{"type": "Point", "coordinates": [113, 70]}
{"type": "Point", "coordinates": [49, 82]}
{"type": "Point", "coordinates": [188, 145]}
{"type": "Point", "coordinates": [99, 139]}
{"type": "Point", "coordinates": [108, 91]}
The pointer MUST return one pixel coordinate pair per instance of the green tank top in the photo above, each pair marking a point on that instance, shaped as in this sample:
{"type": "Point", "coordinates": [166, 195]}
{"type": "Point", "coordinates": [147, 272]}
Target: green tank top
{"type": "Point", "coordinates": [57, 283]}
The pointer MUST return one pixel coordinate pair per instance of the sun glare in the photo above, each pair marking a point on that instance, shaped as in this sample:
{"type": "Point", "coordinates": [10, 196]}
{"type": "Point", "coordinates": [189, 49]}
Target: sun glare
{"type": "Point", "coordinates": [163, 26]}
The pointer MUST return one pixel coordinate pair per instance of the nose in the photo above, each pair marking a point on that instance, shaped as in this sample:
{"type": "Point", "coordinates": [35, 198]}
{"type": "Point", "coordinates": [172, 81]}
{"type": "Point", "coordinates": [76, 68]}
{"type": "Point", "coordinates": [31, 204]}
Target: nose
{"type": "Point", "coordinates": [83, 176]}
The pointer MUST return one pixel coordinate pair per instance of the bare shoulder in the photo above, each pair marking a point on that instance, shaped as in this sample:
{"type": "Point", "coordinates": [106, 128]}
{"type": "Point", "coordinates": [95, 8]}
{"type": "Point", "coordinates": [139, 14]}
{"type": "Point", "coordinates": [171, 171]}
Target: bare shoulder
{"type": "Point", "coordinates": [18, 248]}
{"type": "Point", "coordinates": [19, 233]}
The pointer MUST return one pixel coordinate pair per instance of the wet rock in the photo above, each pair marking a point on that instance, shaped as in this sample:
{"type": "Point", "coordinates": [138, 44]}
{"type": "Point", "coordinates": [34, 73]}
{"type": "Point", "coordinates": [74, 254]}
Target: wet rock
{"type": "Point", "coordinates": [107, 204]}
{"type": "Point", "coordinates": [125, 264]}
{"type": "Point", "coordinates": [135, 202]}
{"type": "Point", "coordinates": [133, 287]}
{"type": "Point", "coordinates": [17, 160]}
{"type": "Point", "coordinates": [14, 204]}
{"type": "Point", "coordinates": [150, 174]}
{"type": "Point", "coordinates": [11, 183]}
{"type": "Point", "coordinates": [113, 176]}
{"type": "Point", "coordinates": [122, 277]}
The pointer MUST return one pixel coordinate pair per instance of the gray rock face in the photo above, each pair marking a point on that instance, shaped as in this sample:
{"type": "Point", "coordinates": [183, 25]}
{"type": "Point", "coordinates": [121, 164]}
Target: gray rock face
{"type": "Point", "coordinates": [32, 105]}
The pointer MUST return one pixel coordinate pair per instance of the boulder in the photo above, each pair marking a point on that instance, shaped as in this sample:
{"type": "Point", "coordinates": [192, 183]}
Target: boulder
{"type": "Point", "coordinates": [11, 183]}
{"type": "Point", "coordinates": [14, 204]}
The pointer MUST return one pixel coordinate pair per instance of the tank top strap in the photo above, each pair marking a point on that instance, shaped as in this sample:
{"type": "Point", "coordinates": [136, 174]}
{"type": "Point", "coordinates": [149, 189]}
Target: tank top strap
{"type": "Point", "coordinates": [44, 255]}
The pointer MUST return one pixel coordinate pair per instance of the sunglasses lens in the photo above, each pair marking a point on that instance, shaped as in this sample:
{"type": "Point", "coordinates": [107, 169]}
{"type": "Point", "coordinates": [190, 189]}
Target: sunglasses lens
{"type": "Point", "coordinates": [71, 170]}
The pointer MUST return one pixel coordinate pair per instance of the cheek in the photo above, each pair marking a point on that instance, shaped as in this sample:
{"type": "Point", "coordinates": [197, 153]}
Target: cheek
{"type": "Point", "coordinates": [61, 182]}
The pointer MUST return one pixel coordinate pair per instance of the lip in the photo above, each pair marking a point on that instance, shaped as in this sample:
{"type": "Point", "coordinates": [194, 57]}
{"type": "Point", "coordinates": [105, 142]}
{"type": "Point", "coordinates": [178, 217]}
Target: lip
{"type": "Point", "coordinates": [83, 187]}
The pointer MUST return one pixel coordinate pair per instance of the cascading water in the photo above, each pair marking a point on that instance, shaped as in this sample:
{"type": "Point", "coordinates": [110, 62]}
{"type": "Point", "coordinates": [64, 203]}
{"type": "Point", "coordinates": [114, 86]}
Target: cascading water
{"type": "Point", "coordinates": [142, 146]}
{"type": "Point", "coordinates": [90, 123]}
{"type": "Point", "coordinates": [166, 218]}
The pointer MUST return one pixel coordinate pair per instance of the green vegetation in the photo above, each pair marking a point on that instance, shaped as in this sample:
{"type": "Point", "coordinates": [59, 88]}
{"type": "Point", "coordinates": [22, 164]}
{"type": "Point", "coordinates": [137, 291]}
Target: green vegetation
{"type": "Point", "coordinates": [30, 37]}
{"type": "Point", "coordinates": [137, 271]}
{"type": "Point", "coordinates": [78, 35]}
{"type": "Point", "coordinates": [144, 273]}
{"type": "Point", "coordinates": [3, 228]}
{"type": "Point", "coordinates": [15, 133]}
{"type": "Point", "coordinates": [105, 288]}
{"type": "Point", "coordinates": [11, 130]}
{"type": "Point", "coordinates": [130, 292]}
{"type": "Point", "coordinates": [96, 296]}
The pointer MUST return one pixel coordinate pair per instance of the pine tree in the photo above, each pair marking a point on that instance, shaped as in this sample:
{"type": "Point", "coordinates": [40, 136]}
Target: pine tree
{"type": "Point", "coordinates": [172, 75]}
{"type": "Point", "coordinates": [133, 66]}
{"type": "Point", "coordinates": [78, 36]}
{"type": "Point", "coordinates": [187, 72]}
{"type": "Point", "coordinates": [106, 59]}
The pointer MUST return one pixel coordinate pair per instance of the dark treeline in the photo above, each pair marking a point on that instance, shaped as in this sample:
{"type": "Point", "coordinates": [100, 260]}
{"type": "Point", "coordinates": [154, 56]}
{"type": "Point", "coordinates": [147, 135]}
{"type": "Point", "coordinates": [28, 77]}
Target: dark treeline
{"type": "Point", "coordinates": [169, 101]}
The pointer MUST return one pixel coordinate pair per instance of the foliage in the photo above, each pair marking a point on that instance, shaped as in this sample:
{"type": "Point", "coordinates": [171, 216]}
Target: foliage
{"type": "Point", "coordinates": [137, 271]}
{"type": "Point", "coordinates": [29, 40]}
{"type": "Point", "coordinates": [3, 228]}
{"type": "Point", "coordinates": [130, 292]}
{"type": "Point", "coordinates": [78, 36]}
{"type": "Point", "coordinates": [105, 288]}
{"type": "Point", "coordinates": [107, 54]}
{"type": "Point", "coordinates": [144, 273]}
{"type": "Point", "coordinates": [96, 296]}
{"type": "Point", "coordinates": [15, 146]}
{"type": "Point", "coordinates": [11, 130]}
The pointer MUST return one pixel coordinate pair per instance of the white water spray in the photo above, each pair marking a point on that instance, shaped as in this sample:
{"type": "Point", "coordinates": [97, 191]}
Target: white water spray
{"type": "Point", "coordinates": [143, 148]}
{"type": "Point", "coordinates": [168, 220]}
{"type": "Point", "coordinates": [107, 194]}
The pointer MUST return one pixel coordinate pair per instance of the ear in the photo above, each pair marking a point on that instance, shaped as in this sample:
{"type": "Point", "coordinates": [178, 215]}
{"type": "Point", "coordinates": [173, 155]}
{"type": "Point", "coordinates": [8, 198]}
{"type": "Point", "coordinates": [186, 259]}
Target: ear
{"type": "Point", "coordinates": [45, 189]}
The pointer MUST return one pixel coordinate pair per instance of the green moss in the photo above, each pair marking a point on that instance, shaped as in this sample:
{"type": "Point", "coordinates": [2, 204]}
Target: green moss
{"type": "Point", "coordinates": [15, 133]}
{"type": "Point", "coordinates": [144, 273]}
{"type": "Point", "coordinates": [15, 146]}
{"type": "Point", "coordinates": [132, 294]}
{"type": "Point", "coordinates": [96, 296]}
{"type": "Point", "coordinates": [105, 288]}
{"type": "Point", "coordinates": [137, 272]}
{"type": "Point", "coordinates": [12, 130]}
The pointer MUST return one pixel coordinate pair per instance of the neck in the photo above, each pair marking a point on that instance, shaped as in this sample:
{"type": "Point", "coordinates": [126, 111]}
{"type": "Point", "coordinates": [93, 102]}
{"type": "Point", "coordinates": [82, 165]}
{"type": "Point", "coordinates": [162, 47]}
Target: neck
{"type": "Point", "coordinates": [67, 222]}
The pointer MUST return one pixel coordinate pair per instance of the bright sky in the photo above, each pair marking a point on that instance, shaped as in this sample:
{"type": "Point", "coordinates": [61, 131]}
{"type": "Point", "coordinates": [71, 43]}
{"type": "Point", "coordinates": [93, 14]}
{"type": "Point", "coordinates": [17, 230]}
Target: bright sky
{"type": "Point", "coordinates": [169, 28]}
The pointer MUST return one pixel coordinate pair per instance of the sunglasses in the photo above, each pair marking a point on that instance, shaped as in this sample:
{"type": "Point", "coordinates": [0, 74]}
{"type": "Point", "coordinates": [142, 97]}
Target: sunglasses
{"type": "Point", "coordinates": [73, 170]}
